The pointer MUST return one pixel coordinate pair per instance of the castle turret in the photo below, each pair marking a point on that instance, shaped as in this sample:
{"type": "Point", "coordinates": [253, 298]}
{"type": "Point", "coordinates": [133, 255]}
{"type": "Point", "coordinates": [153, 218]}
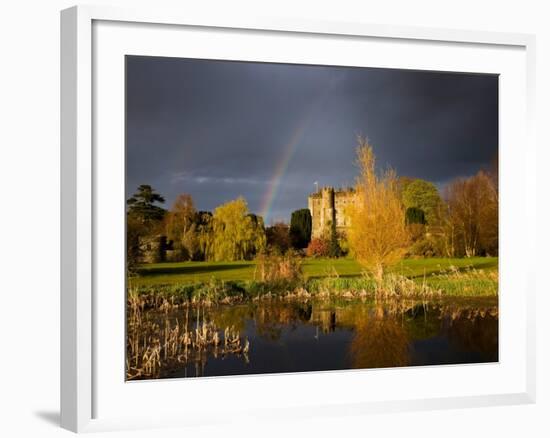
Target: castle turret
{"type": "Point", "coordinates": [329, 206]}
{"type": "Point", "coordinates": [328, 213]}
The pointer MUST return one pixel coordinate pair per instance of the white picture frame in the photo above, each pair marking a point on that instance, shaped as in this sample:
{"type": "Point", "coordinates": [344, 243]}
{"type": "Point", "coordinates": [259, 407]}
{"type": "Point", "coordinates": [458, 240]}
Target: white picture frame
{"type": "Point", "coordinates": [81, 230]}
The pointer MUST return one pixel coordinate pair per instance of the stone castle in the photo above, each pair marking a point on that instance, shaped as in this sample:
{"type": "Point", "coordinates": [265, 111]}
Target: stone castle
{"type": "Point", "coordinates": [328, 205]}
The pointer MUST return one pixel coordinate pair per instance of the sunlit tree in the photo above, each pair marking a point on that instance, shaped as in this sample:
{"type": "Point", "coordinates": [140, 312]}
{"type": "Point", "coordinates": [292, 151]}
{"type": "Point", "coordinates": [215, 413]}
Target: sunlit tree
{"type": "Point", "coordinates": [236, 234]}
{"type": "Point", "coordinates": [472, 215]}
{"type": "Point", "coordinates": [423, 195]}
{"type": "Point", "coordinates": [377, 236]}
{"type": "Point", "coordinates": [205, 235]}
{"type": "Point", "coordinates": [181, 224]}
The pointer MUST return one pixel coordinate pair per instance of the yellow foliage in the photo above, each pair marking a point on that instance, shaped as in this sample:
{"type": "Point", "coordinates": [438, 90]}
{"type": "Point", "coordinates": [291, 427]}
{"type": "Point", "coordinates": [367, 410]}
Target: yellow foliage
{"type": "Point", "coordinates": [378, 236]}
{"type": "Point", "coordinates": [237, 235]}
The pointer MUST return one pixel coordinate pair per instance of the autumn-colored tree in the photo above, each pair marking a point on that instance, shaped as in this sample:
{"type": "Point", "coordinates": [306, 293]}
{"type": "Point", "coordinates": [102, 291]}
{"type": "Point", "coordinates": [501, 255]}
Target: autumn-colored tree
{"type": "Point", "coordinates": [377, 235]}
{"type": "Point", "coordinates": [379, 341]}
{"type": "Point", "coordinates": [204, 235]}
{"type": "Point", "coordinates": [278, 237]}
{"type": "Point", "coordinates": [236, 234]}
{"type": "Point", "coordinates": [180, 226]}
{"type": "Point", "coordinates": [472, 216]}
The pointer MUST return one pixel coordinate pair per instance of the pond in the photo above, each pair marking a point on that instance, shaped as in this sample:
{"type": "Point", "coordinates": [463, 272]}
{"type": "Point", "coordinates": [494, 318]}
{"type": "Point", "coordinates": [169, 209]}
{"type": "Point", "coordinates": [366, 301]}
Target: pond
{"type": "Point", "coordinates": [277, 336]}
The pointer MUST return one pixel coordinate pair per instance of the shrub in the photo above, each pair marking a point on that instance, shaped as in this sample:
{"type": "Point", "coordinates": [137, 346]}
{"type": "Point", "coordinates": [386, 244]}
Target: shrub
{"type": "Point", "coordinates": [275, 268]}
{"type": "Point", "coordinates": [423, 248]}
{"type": "Point", "coordinates": [318, 247]}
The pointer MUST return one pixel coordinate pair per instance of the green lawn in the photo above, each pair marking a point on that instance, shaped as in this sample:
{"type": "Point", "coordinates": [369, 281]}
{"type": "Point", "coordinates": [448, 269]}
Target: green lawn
{"type": "Point", "coordinates": [197, 272]}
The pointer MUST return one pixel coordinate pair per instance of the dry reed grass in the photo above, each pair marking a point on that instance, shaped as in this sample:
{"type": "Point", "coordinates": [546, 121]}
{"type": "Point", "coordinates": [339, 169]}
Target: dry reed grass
{"type": "Point", "coordinates": [152, 348]}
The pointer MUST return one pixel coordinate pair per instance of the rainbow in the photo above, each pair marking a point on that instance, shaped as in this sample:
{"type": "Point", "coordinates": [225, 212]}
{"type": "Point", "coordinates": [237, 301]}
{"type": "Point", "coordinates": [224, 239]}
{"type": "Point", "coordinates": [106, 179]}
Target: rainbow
{"type": "Point", "coordinates": [280, 169]}
{"type": "Point", "coordinates": [289, 149]}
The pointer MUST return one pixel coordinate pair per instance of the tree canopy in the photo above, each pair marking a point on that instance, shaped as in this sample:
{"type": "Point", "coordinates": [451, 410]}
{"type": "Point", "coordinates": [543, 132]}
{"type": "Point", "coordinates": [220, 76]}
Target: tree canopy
{"type": "Point", "coordinates": [378, 234]}
{"type": "Point", "coordinates": [236, 234]}
{"type": "Point", "coordinates": [278, 237]}
{"type": "Point", "coordinates": [180, 225]}
{"type": "Point", "coordinates": [423, 195]}
{"type": "Point", "coordinates": [415, 215]}
{"type": "Point", "coordinates": [300, 228]}
{"type": "Point", "coordinates": [472, 216]}
{"type": "Point", "coordinates": [143, 204]}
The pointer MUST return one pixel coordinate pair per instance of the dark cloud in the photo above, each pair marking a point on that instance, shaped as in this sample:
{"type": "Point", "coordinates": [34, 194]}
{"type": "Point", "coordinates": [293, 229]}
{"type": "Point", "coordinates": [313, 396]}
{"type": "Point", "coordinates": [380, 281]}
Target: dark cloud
{"type": "Point", "coordinates": [218, 129]}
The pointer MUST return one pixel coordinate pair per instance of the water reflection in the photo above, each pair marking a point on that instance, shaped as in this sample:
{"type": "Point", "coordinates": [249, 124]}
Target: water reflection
{"type": "Point", "coordinates": [289, 336]}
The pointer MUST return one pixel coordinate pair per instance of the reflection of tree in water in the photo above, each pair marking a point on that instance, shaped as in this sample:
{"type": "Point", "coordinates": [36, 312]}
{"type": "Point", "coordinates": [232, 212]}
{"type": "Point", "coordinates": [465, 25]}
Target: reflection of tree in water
{"type": "Point", "coordinates": [271, 317]}
{"type": "Point", "coordinates": [422, 321]}
{"type": "Point", "coordinates": [472, 329]}
{"type": "Point", "coordinates": [383, 332]}
{"type": "Point", "coordinates": [384, 337]}
{"type": "Point", "coordinates": [380, 341]}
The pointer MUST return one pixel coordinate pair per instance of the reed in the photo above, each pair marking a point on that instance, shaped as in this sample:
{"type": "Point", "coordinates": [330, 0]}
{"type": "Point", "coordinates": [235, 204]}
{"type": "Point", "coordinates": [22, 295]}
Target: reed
{"type": "Point", "coordinates": [466, 281]}
{"type": "Point", "coordinates": [280, 277]}
{"type": "Point", "coordinates": [152, 349]}
{"type": "Point", "coordinates": [279, 271]}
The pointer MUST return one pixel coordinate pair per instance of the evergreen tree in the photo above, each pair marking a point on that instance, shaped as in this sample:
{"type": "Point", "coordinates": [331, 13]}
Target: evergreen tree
{"type": "Point", "coordinates": [334, 248]}
{"type": "Point", "coordinates": [300, 228]}
{"type": "Point", "coordinates": [142, 204]}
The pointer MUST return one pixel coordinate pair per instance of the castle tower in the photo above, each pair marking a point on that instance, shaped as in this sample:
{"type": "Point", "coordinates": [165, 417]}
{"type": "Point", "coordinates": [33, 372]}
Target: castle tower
{"type": "Point", "coordinates": [329, 206]}
{"type": "Point", "coordinates": [328, 213]}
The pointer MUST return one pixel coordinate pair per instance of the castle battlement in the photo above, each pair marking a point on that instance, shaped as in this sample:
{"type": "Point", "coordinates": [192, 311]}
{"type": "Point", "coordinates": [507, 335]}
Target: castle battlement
{"type": "Point", "coordinates": [327, 205]}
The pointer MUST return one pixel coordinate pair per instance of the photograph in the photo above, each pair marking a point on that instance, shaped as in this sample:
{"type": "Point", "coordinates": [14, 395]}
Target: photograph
{"type": "Point", "coordinates": [286, 218]}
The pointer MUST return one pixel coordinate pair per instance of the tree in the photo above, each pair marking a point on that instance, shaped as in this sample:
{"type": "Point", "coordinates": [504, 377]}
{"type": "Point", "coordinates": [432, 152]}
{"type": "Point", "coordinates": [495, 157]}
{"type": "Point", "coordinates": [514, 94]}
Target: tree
{"type": "Point", "coordinates": [142, 205]}
{"type": "Point", "coordinates": [278, 237]}
{"type": "Point", "coordinates": [134, 230]}
{"type": "Point", "coordinates": [334, 246]}
{"type": "Point", "coordinates": [416, 224]}
{"type": "Point", "coordinates": [300, 228]}
{"type": "Point", "coordinates": [205, 235]}
{"type": "Point", "coordinates": [414, 215]}
{"type": "Point", "coordinates": [236, 235]}
{"type": "Point", "coordinates": [143, 219]}
{"type": "Point", "coordinates": [423, 195]}
{"type": "Point", "coordinates": [377, 235]}
{"type": "Point", "coordinates": [402, 183]}
{"type": "Point", "coordinates": [181, 224]}
{"type": "Point", "coordinates": [472, 215]}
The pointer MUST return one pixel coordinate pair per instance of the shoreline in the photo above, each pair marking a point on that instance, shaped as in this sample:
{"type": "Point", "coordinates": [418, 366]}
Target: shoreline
{"type": "Point", "coordinates": [231, 293]}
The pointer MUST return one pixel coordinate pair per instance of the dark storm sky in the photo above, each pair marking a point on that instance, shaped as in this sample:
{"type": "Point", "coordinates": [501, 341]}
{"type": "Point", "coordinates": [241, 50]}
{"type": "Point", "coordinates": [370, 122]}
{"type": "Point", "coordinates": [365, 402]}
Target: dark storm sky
{"type": "Point", "coordinates": [219, 129]}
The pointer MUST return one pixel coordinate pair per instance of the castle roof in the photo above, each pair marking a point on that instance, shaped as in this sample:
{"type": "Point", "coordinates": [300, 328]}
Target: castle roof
{"type": "Point", "coordinates": [337, 191]}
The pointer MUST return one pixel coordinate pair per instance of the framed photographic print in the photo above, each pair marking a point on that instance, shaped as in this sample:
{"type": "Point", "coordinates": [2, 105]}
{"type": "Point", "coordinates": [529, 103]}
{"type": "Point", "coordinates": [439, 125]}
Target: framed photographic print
{"type": "Point", "coordinates": [269, 207]}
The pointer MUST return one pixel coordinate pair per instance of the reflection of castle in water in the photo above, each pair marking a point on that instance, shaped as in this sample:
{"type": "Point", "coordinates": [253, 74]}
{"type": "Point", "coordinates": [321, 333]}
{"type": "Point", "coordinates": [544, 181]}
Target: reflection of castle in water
{"type": "Point", "coordinates": [325, 319]}
{"type": "Point", "coordinates": [376, 334]}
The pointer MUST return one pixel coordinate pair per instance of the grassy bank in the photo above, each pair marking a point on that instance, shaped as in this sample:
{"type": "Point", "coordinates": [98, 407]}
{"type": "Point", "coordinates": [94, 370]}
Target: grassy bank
{"type": "Point", "coordinates": [243, 271]}
{"type": "Point", "coordinates": [178, 283]}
